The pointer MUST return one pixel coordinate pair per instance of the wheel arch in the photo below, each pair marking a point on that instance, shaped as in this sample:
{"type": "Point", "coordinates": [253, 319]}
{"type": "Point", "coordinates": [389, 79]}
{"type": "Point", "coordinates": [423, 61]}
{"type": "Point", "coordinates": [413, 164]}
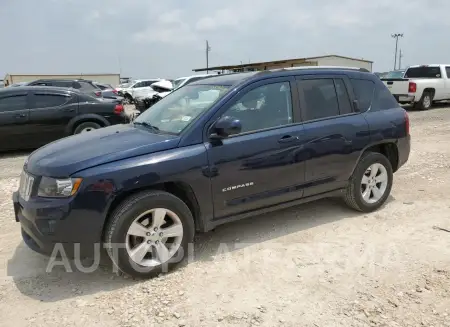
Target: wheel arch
{"type": "Point", "coordinates": [388, 149]}
{"type": "Point", "coordinates": [70, 128]}
{"type": "Point", "coordinates": [180, 189]}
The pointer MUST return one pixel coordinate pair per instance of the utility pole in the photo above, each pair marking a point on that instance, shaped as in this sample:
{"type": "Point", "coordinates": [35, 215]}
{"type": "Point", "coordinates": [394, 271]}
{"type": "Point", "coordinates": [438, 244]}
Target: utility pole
{"type": "Point", "coordinates": [208, 49]}
{"type": "Point", "coordinates": [400, 56]}
{"type": "Point", "coordinates": [396, 36]}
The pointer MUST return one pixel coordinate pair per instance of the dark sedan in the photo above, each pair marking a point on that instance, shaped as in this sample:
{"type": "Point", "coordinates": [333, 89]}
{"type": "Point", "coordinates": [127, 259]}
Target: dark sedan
{"type": "Point", "coordinates": [32, 116]}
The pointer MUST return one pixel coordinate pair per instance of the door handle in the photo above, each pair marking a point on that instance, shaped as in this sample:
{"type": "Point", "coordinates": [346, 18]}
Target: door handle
{"type": "Point", "coordinates": [288, 139]}
{"type": "Point", "coordinates": [21, 116]}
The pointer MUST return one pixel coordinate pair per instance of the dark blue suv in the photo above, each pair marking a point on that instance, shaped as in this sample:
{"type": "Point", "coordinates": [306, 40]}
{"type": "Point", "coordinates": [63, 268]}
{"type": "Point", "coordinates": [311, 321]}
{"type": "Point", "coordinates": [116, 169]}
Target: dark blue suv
{"type": "Point", "coordinates": [215, 151]}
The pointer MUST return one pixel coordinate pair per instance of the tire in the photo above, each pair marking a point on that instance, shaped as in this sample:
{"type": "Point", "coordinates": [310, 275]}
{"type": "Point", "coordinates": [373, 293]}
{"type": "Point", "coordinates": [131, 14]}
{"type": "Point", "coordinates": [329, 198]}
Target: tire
{"type": "Point", "coordinates": [355, 189]}
{"type": "Point", "coordinates": [128, 99]}
{"type": "Point", "coordinates": [86, 127]}
{"type": "Point", "coordinates": [425, 102]}
{"type": "Point", "coordinates": [144, 208]}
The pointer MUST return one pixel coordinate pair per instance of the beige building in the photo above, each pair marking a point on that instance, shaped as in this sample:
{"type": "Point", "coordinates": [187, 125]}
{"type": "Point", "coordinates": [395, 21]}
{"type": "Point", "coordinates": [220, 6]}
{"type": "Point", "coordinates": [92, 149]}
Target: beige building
{"type": "Point", "coordinates": [329, 60]}
{"type": "Point", "coordinates": [113, 79]}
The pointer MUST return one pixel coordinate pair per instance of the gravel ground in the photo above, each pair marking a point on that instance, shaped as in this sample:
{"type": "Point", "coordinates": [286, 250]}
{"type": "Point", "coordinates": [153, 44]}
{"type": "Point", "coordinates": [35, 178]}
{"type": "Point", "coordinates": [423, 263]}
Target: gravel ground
{"type": "Point", "coordinates": [320, 264]}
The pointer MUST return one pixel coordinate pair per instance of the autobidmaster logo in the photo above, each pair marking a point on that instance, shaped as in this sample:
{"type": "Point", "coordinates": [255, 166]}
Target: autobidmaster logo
{"type": "Point", "coordinates": [235, 187]}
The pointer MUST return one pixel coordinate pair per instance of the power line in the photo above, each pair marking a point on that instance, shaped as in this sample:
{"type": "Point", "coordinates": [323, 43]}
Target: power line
{"type": "Point", "coordinates": [396, 36]}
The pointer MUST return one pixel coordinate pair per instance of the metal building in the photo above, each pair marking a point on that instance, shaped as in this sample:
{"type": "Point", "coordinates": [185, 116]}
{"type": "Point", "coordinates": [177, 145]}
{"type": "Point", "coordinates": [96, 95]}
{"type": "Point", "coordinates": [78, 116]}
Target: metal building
{"type": "Point", "coordinates": [113, 79]}
{"type": "Point", "coordinates": [329, 60]}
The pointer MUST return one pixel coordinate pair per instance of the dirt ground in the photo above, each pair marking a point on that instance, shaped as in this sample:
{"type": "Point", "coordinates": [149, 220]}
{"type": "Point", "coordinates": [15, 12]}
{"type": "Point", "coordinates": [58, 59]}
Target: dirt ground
{"type": "Point", "coordinates": [320, 264]}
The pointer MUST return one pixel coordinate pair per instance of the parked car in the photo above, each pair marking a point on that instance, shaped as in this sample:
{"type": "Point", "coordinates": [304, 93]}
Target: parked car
{"type": "Point", "coordinates": [108, 91]}
{"type": "Point", "coordinates": [213, 152]}
{"type": "Point", "coordinates": [82, 85]}
{"type": "Point", "coordinates": [34, 116]}
{"type": "Point", "coordinates": [421, 85]}
{"type": "Point", "coordinates": [180, 82]}
{"type": "Point", "coordinates": [19, 84]}
{"type": "Point", "coordinates": [136, 87]}
{"type": "Point", "coordinates": [158, 91]}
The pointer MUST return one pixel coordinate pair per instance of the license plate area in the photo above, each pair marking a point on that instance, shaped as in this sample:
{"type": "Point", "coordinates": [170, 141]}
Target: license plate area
{"type": "Point", "coordinates": [26, 185]}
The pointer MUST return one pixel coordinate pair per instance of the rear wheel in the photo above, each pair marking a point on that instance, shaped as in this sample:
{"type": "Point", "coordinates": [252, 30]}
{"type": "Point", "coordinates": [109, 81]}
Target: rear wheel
{"type": "Point", "coordinates": [425, 102]}
{"type": "Point", "coordinates": [149, 233]}
{"type": "Point", "coordinates": [86, 127]}
{"type": "Point", "coordinates": [370, 184]}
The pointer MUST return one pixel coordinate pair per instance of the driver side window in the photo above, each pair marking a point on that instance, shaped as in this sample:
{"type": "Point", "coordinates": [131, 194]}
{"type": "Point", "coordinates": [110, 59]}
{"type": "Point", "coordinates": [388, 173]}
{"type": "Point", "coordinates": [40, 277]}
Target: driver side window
{"type": "Point", "coordinates": [264, 107]}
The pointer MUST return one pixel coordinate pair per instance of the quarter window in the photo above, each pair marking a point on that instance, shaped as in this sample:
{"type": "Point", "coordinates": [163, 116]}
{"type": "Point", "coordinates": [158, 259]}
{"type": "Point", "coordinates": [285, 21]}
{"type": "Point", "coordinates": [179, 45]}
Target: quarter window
{"type": "Point", "coordinates": [264, 107]}
{"type": "Point", "coordinates": [363, 90]}
{"type": "Point", "coordinates": [447, 70]}
{"type": "Point", "coordinates": [12, 103]}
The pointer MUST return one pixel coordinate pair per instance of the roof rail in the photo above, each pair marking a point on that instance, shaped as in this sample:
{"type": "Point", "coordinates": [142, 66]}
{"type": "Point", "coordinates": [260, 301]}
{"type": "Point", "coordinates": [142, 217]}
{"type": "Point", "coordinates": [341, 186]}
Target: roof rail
{"type": "Point", "coordinates": [322, 67]}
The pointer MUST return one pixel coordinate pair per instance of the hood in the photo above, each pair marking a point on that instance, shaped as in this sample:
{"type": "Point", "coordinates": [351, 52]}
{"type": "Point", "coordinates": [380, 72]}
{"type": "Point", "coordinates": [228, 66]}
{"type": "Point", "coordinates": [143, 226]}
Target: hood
{"type": "Point", "coordinates": [74, 153]}
{"type": "Point", "coordinates": [165, 84]}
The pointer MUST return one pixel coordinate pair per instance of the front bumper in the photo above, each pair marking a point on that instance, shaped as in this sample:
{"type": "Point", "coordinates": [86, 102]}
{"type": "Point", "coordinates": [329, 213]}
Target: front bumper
{"type": "Point", "coordinates": [47, 223]}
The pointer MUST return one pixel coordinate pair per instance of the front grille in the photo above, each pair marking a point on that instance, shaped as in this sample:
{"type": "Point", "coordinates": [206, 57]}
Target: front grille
{"type": "Point", "coordinates": [26, 185]}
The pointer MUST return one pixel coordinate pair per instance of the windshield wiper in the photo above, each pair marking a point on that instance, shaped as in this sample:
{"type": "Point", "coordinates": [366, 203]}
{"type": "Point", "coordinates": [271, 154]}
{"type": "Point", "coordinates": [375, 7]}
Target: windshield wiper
{"type": "Point", "coordinates": [145, 124]}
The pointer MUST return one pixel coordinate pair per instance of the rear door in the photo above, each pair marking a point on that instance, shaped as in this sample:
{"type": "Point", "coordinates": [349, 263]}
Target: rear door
{"type": "Point", "coordinates": [262, 165]}
{"type": "Point", "coordinates": [334, 132]}
{"type": "Point", "coordinates": [14, 119]}
{"type": "Point", "coordinates": [50, 114]}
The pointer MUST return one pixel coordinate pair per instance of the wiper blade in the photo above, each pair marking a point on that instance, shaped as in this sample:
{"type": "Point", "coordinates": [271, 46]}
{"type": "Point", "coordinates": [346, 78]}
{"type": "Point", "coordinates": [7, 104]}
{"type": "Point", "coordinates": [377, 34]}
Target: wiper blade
{"type": "Point", "coordinates": [145, 124]}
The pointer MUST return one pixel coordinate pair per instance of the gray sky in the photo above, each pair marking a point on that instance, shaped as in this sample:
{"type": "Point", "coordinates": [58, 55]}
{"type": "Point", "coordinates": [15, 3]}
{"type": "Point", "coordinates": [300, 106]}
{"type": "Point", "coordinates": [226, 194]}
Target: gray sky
{"type": "Point", "coordinates": [152, 38]}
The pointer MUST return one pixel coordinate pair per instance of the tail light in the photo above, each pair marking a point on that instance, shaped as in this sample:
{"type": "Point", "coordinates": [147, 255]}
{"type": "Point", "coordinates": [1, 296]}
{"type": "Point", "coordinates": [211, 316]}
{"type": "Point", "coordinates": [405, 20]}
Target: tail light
{"type": "Point", "coordinates": [98, 93]}
{"type": "Point", "coordinates": [115, 91]}
{"type": "Point", "coordinates": [406, 123]}
{"type": "Point", "coordinates": [412, 87]}
{"type": "Point", "coordinates": [118, 109]}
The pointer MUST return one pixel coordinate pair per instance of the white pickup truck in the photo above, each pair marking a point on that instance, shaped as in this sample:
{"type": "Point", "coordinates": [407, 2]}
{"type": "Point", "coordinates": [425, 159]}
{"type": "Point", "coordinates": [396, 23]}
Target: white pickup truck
{"type": "Point", "coordinates": [421, 86]}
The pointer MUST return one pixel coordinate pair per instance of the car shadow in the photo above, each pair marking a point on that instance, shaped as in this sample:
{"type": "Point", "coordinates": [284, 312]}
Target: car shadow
{"type": "Point", "coordinates": [436, 106]}
{"type": "Point", "coordinates": [32, 277]}
{"type": "Point", "coordinates": [269, 227]}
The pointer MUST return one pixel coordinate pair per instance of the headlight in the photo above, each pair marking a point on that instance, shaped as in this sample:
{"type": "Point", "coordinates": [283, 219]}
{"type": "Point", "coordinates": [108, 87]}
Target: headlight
{"type": "Point", "coordinates": [58, 188]}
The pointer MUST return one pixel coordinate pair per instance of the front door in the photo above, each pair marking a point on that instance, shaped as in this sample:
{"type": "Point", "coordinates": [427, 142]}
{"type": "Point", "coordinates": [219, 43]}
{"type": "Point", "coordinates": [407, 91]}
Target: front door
{"type": "Point", "coordinates": [260, 166]}
{"type": "Point", "coordinates": [50, 114]}
{"type": "Point", "coordinates": [14, 118]}
{"type": "Point", "coordinates": [334, 133]}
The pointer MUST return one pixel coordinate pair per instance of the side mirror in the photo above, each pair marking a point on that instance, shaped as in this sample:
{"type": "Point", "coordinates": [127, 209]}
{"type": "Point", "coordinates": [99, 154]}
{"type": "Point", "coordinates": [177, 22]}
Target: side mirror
{"type": "Point", "coordinates": [356, 106]}
{"type": "Point", "coordinates": [225, 127]}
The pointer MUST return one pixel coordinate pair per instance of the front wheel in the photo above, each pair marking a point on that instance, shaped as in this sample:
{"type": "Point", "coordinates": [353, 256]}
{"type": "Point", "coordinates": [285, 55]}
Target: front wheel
{"type": "Point", "coordinates": [370, 184]}
{"type": "Point", "coordinates": [149, 233]}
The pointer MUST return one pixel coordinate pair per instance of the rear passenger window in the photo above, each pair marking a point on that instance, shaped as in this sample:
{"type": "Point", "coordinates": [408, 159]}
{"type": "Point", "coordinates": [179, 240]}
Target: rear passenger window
{"type": "Point", "coordinates": [49, 100]}
{"type": "Point", "coordinates": [363, 90]}
{"type": "Point", "coordinates": [12, 103]}
{"type": "Point", "coordinates": [345, 106]}
{"type": "Point", "coordinates": [320, 98]}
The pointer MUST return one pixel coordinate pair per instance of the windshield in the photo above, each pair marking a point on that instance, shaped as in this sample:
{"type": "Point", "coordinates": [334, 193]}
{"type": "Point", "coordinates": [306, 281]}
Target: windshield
{"type": "Point", "coordinates": [176, 83]}
{"type": "Point", "coordinates": [395, 74]}
{"type": "Point", "coordinates": [177, 110]}
{"type": "Point", "coordinates": [423, 72]}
